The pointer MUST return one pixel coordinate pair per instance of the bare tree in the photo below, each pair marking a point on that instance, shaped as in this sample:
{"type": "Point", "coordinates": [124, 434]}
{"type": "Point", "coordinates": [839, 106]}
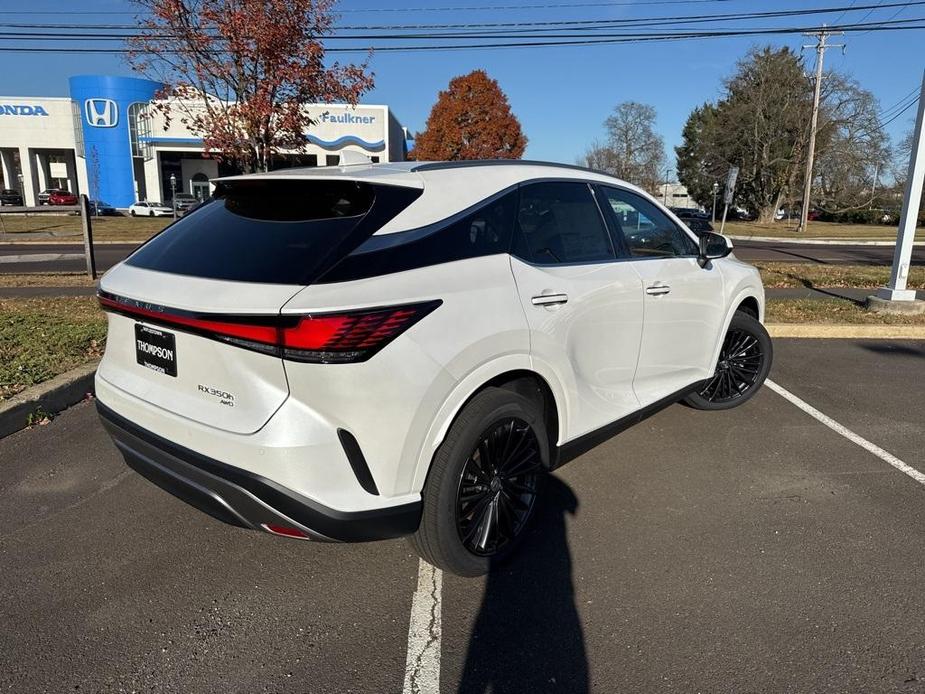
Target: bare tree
{"type": "Point", "coordinates": [633, 151]}
{"type": "Point", "coordinates": [854, 150]}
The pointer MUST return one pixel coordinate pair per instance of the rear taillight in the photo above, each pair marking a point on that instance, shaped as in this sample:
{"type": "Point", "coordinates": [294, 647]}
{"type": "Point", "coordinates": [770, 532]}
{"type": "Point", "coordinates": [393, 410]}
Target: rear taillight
{"type": "Point", "coordinates": [325, 338]}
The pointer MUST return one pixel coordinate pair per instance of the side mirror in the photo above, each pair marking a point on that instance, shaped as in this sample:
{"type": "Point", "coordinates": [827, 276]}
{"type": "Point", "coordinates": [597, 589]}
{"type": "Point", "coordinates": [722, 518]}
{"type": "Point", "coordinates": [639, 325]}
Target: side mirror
{"type": "Point", "coordinates": [713, 247]}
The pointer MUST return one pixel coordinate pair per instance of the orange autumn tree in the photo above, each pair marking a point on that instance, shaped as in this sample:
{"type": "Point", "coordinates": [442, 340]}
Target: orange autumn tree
{"type": "Point", "coordinates": [472, 119]}
{"type": "Point", "coordinates": [238, 73]}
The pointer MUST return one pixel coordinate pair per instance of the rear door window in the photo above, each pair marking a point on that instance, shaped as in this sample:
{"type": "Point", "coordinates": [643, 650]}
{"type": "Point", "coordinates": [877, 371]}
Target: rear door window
{"type": "Point", "coordinates": [272, 231]}
{"type": "Point", "coordinates": [559, 224]}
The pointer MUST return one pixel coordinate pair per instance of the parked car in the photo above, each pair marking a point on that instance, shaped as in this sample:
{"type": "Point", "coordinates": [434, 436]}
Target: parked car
{"type": "Point", "coordinates": [697, 225]}
{"type": "Point", "coordinates": [102, 209]}
{"type": "Point", "coordinates": [61, 197]}
{"type": "Point", "coordinates": [689, 213]}
{"type": "Point", "coordinates": [8, 196]}
{"type": "Point", "coordinates": [44, 195]}
{"type": "Point", "coordinates": [373, 351]}
{"type": "Point", "coordinates": [184, 201]}
{"type": "Point", "coordinates": [150, 209]}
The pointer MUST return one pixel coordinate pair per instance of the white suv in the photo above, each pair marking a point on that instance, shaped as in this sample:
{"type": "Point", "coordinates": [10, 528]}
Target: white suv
{"type": "Point", "coordinates": [372, 351]}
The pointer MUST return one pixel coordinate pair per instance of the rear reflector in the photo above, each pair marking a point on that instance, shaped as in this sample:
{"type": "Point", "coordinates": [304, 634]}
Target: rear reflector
{"type": "Point", "coordinates": [350, 336]}
{"type": "Point", "coordinates": [286, 531]}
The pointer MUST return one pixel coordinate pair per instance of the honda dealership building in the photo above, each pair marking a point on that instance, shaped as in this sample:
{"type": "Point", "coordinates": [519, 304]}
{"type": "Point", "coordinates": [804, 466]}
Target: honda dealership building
{"type": "Point", "coordinates": [106, 140]}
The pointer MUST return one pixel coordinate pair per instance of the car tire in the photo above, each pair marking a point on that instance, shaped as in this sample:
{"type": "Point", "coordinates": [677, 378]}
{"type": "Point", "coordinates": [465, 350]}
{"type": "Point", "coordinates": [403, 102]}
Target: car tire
{"type": "Point", "coordinates": [744, 362]}
{"type": "Point", "coordinates": [132, 212]}
{"type": "Point", "coordinates": [496, 453]}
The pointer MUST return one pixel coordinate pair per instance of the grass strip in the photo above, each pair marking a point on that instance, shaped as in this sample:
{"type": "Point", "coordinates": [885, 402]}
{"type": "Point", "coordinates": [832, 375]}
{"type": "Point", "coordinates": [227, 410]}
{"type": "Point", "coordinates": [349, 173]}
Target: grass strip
{"type": "Point", "coordinates": [780, 275]}
{"type": "Point", "coordinates": [44, 337]}
{"type": "Point", "coordinates": [831, 311]}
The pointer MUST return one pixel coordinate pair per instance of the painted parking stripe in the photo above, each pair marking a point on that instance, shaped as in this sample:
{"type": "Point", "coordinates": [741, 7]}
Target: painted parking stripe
{"type": "Point", "coordinates": [885, 456]}
{"type": "Point", "coordinates": [422, 667]}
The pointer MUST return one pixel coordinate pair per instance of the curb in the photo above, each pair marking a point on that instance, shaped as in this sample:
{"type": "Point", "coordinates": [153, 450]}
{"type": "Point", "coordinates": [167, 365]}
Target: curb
{"type": "Point", "coordinates": [819, 242]}
{"type": "Point", "coordinates": [52, 396]}
{"type": "Point", "coordinates": [847, 331]}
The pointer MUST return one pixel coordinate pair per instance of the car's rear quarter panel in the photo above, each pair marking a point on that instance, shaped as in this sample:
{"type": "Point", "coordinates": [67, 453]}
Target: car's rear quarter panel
{"type": "Point", "coordinates": [392, 402]}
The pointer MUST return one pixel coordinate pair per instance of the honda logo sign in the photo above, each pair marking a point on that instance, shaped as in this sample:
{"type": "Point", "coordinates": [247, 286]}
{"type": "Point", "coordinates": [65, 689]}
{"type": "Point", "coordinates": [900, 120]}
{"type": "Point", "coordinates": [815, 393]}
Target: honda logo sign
{"type": "Point", "coordinates": [101, 113]}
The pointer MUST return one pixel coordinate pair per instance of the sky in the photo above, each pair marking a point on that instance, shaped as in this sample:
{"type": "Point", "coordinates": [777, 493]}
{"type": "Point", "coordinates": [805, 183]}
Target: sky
{"type": "Point", "coordinates": [560, 94]}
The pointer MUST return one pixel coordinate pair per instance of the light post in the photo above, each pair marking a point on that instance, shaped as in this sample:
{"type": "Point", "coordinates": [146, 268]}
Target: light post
{"type": "Point", "coordinates": [665, 197]}
{"type": "Point", "coordinates": [715, 191]}
{"type": "Point", "coordinates": [173, 194]}
{"type": "Point", "coordinates": [22, 191]}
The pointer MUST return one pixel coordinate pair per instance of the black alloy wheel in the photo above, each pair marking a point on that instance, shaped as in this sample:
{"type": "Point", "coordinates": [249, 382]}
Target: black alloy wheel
{"type": "Point", "coordinates": [498, 487]}
{"type": "Point", "coordinates": [739, 367]}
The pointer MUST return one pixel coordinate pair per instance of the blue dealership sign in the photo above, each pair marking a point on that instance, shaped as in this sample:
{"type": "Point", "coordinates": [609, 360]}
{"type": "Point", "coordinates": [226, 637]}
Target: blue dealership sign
{"type": "Point", "coordinates": [103, 103]}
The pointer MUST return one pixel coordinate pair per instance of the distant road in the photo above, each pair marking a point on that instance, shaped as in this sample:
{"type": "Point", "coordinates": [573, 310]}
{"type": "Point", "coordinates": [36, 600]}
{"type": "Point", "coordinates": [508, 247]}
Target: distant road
{"type": "Point", "coordinates": [818, 253]}
{"type": "Point", "coordinates": [15, 257]}
{"type": "Point", "coordinates": [30, 257]}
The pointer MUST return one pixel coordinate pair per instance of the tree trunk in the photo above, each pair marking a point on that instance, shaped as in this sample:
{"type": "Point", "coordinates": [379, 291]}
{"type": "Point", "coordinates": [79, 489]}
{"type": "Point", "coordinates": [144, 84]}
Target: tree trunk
{"type": "Point", "coordinates": [767, 214]}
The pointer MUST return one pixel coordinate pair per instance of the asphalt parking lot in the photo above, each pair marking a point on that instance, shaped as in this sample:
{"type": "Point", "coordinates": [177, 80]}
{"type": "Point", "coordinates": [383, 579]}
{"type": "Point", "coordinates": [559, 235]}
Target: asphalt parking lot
{"type": "Point", "coordinates": [757, 550]}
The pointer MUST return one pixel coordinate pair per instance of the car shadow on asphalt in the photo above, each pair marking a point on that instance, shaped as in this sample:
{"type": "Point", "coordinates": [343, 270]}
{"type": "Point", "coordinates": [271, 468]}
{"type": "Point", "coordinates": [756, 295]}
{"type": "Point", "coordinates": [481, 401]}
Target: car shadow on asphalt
{"type": "Point", "coordinates": [527, 636]}
{"type": "Point", "coordinates": [892, 348]}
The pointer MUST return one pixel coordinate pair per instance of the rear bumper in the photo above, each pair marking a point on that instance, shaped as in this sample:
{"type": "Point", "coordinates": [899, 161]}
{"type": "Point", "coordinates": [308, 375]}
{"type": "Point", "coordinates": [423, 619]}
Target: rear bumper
{"type": "Point", "coordinates": [244, 498]}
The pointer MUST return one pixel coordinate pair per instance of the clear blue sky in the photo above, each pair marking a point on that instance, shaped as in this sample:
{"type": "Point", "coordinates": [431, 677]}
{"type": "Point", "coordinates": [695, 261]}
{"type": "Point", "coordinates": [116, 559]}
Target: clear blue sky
{"type": "Point", "coordinates": [562, 94]}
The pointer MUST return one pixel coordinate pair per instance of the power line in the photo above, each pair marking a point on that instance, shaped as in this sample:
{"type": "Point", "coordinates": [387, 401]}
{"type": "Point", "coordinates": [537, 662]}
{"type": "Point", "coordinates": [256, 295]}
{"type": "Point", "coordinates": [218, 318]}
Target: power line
{"type": "Point", "coordinates": [919, 23]}
{"type": "Point", "coordinates": [899, 113]}
{"type": "Point", "coordinates": [627, 21]}
{"type": "Point", "coordinates": [369, 10]}
{"type": "Point", "coordinates": [901, 100]}
{"type": "Point", "coordinates": [512, 34]}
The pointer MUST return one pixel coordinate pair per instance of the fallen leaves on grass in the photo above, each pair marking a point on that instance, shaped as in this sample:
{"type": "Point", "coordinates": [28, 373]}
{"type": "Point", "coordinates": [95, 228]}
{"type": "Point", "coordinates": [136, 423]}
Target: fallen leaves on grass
{"type": "Point", "coordinates": [776, 275]}
{"type": "Point", "coordinates": [831, 311]}
{"type": "Point", "coordinates": [42, 338]}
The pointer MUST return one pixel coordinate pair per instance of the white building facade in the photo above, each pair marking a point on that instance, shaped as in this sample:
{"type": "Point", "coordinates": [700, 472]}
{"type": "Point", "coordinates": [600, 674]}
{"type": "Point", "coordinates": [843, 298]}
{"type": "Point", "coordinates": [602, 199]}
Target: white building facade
{"type": "Point", "coordinates": [107, 141]}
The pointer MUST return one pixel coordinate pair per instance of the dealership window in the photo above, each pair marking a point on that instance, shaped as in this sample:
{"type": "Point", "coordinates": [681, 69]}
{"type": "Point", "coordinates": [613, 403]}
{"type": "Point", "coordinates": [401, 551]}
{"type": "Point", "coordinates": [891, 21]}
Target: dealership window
{"type": "Point", "coordinates": [332, 159]}
{"type": "Point", "coordinates": [77, 117]}
{"type": "Point", "coordinates": [139, 130]}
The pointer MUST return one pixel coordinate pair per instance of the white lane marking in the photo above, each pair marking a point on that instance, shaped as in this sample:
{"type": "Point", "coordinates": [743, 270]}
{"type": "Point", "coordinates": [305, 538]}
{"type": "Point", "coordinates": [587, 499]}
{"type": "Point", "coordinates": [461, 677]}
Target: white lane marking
{"type": "Point", "coordinates": [422, 667]}
{"type": "Point", "coordinates": [885, 456]}
{"type": "Point", "coordinates": [40, 257]}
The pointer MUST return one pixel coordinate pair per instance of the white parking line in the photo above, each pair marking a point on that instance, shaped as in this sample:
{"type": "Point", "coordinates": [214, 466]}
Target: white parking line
{"type": "Point", "coordinates": [847, 433]}
{"type": "Point", "coordinates": [422, 666]}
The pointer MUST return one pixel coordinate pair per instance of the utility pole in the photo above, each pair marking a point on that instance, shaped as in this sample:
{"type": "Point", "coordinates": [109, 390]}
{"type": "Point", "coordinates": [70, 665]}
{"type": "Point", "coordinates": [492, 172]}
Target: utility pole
{"type": "Point", "coordinates": [821, 44]}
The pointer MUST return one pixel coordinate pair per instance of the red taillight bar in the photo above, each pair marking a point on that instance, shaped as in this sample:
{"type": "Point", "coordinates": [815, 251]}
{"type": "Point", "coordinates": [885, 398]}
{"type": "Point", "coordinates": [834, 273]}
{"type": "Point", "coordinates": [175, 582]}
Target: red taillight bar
{"type": "Point", "coordinates": [349, 336]}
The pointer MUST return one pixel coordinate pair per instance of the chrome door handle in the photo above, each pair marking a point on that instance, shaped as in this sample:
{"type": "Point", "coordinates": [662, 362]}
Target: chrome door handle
{"type": "Point", "coordinates": [658, 289]}
{"type": "Point", "coordinates": [549, 299]}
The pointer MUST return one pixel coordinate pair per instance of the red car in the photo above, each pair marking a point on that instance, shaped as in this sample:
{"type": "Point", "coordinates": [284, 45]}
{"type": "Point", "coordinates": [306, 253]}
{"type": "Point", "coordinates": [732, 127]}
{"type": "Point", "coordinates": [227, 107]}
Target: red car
{"type": "Point", "coordinates": [62, 197]}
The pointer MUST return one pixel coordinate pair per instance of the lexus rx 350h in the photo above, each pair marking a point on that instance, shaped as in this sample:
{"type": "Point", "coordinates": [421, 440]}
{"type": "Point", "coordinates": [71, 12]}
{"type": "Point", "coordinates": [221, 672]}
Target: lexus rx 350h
{"type": "Point", "coordinates": [372, 351]}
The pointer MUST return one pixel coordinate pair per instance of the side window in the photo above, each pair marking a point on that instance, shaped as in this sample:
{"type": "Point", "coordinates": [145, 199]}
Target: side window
{"type": "Point", "coordinates": [486, 231]}
{"type": "Point", "coordinates": [560, 223]}
{"type": "Point", "coordinates": [648, 231]}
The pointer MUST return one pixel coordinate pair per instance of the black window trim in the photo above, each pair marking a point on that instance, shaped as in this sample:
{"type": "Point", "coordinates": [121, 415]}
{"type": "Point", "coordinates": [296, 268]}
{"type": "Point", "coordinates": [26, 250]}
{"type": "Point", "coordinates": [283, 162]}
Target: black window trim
{"type": "Point", "coordinates": [611, 220]}
{"type": "Point", "coordinates": [380, 242]}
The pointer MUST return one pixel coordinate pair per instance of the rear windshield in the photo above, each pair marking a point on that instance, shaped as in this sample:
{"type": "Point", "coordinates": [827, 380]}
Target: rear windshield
{"type": "Point", "coordinates": [272, 231]}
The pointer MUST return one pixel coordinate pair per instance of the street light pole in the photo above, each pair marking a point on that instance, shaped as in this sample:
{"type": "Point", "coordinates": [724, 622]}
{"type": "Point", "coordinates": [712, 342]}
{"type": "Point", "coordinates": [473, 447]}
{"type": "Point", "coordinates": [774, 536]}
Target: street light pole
{"type": "Point", "coordinates": [715, 191]}
{"type": "Point", "coordinates": [173, 194]}
{"type": "Point", "coordinates": [665, 197]}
